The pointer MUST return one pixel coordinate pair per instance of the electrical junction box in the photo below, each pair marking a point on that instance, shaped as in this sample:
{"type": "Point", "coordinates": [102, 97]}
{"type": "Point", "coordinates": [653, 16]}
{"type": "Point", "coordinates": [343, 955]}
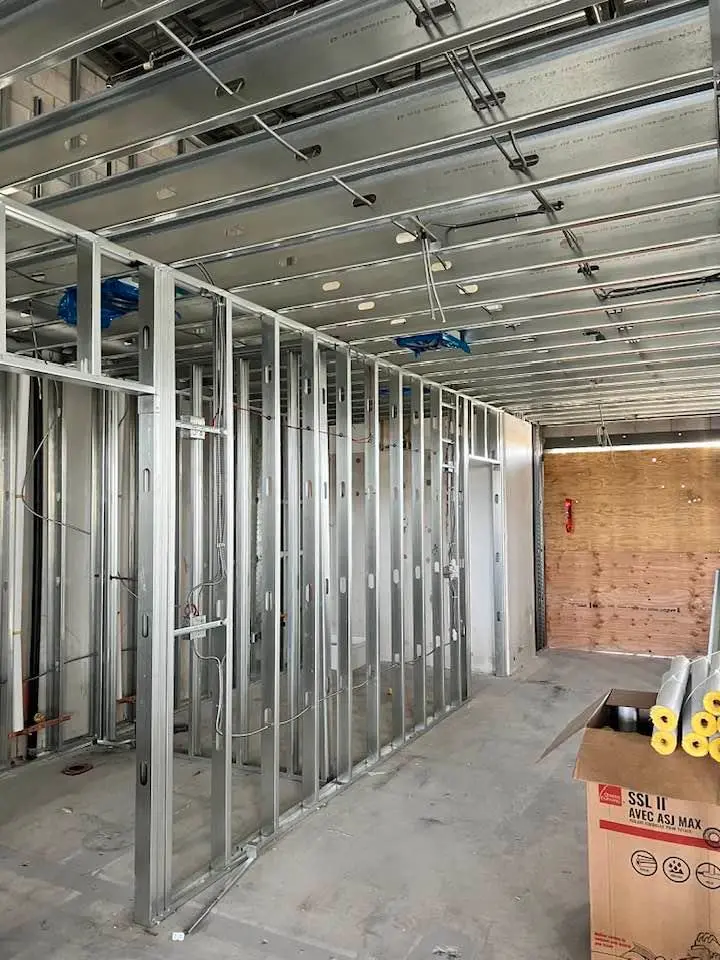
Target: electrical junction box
{"type": "Point", "coordinates": [653, 838]}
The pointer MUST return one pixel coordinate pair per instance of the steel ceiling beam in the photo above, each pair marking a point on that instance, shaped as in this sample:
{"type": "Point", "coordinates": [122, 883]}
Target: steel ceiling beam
{"type": "Point", "coordinates": [43, 33]}
{"type": "Point", "coordinates": [398, 126]}
{"type": "Point", "coordinates": [336, 44]}
{"type": "Point", "coordinates": [265, 223]}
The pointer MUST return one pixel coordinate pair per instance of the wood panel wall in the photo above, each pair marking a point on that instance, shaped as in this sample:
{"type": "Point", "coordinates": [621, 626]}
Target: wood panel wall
{"type": "Point", "coordinates": [636, 574]}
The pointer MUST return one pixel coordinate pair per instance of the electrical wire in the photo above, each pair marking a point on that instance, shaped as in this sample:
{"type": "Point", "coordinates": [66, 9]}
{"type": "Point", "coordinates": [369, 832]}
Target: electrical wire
{"type": "Point", "coordinates": [60, 523]}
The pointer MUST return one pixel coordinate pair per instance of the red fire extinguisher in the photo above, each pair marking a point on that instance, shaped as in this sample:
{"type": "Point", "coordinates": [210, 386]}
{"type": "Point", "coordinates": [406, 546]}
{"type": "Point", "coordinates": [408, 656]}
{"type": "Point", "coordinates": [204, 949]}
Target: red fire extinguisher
{"type": "Point", "coordinates": [568, 510]}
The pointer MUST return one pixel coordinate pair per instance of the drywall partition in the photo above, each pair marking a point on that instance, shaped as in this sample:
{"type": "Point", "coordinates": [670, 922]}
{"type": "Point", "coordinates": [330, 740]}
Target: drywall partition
{"type": "Point", "coordinates": [634, 572]}
{"type": "Point", "coordinates": [517, 466]}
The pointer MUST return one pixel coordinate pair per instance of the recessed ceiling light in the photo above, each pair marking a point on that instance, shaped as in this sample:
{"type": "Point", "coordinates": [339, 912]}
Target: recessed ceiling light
{"type": "Point", "coordinates": [396, 321]}
{"type": "Point", "coordinates": [404, 237]}
{"type": "Point", "coordinates": [331, 285]}
{"type": "Point", "coordinates": [468, 288]}
{"type": "Point", "coordinates": [25, 315]}
{"type": "Point", "coordinates": [366, 305]}
{"type": "Point", "coordinates": [9, 191]}
{"type": "Point", "coordinates": [440, 266]}
{"type": "Point", "coordinates": [493, 307]}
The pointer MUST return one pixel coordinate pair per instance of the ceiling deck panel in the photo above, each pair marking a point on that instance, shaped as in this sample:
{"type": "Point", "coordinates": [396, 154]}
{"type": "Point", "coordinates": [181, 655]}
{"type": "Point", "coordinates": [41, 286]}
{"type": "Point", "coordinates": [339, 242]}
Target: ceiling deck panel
{"type": "Point", "coordinates": [567, 156]}
{"type": "Point", "coordinates": [563, 154]}
{"type": "Point", "coordinates": [394, 126]}
{"type": "Point", "coordinates": [320, 50]}
{"type": "Point", "coordinates": [43, 33]}
{"type": "Point", "coordinates": [475, 262]}
{"type": "Point", "coordinates": [612, 273]}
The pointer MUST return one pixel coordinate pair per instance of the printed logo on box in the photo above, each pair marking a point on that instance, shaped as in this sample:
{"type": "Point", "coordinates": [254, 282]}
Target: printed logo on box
{"type": "Point", "coordinates": [609, 794]}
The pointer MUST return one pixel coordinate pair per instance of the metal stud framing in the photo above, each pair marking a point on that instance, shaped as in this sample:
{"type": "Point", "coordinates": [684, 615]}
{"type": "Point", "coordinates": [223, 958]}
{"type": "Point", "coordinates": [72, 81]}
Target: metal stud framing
{"type": "Point", "coordinates": [397, 579]}
{"type": "Point", "coordinates": [417, 446]}
{"type": "Point", "coordinates": [308, 571]}
{"type": "Point", "coordinates": [155, 574]}
{"type": "Point", "coordinates": [311, 588]}
{"type": "Point", "coordinates": [372, 550]}
{"type": "Point", "coordinates": [436, 549]}
{"type": "Point", "coordinates": [343, 533]}
{"type": "Point", "coordinates": [271, 510]}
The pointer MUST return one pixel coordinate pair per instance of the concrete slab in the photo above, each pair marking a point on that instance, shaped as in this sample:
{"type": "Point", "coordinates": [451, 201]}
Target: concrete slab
{"type": "Point", "coordinates": [460, 846]}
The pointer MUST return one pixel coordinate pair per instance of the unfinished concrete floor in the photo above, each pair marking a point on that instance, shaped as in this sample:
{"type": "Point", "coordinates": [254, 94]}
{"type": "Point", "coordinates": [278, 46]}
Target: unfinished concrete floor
{"type": "Point", "coordinates": [460, 842]}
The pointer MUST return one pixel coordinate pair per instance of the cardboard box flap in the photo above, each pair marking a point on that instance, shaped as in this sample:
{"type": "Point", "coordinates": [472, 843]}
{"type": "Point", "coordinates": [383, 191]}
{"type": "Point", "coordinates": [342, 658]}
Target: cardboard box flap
{"type": "Point", "coordinates": [627, 760]}
{"type": "Point", "coordinates": [577, 724]}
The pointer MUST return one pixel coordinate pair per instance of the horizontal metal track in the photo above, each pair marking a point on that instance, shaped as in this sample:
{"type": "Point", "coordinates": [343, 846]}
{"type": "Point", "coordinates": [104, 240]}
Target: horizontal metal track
{"type": "Point", "coordinates": [397, 126]}
{"type": "Point", "coordinates": [338, 43]}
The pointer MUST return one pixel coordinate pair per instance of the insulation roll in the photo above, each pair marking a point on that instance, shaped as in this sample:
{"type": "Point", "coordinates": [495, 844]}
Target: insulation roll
{"type": "Point", "coordinates": [695, 745]}
{"type": "Point", "coordinates": [701, 721]}
{"type": "Point", "coordinates": [711, 697]}
{"type": "Point", "coordinates": [668, 704]}
{"type": "Point", "coordinates": [714, 747]}
{"type": "Point", "coordinates": [664, 742]}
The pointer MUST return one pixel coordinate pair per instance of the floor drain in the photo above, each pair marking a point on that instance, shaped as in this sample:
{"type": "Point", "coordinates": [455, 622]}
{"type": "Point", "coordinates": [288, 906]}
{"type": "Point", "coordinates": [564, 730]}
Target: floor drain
{"type": "Point", "coordinates": [75, 769]}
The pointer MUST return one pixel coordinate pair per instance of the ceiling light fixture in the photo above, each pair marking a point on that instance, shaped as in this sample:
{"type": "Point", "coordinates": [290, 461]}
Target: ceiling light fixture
{"type": "Point", "coordinates": [396, 321]}
{"type": "Point", "coordinates": [404, 237]}
{"type": "Point", "coordinates": [366, 305]}
{"type": "Point", "coordinates": [468, 288]}
{"type": "Point", "coordinates": [331, 285]}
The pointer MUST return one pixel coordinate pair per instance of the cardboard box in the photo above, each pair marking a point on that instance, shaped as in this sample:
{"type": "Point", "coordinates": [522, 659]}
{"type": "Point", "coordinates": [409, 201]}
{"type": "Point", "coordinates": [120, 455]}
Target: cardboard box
{"type": "Point", "coordinates": [653, 840]}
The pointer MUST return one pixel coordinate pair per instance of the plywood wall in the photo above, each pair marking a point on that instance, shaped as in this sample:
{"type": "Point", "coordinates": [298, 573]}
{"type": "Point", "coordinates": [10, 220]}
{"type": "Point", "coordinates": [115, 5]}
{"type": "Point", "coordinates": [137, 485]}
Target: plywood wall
{"type": "Point", "coordinates": [636, 574]}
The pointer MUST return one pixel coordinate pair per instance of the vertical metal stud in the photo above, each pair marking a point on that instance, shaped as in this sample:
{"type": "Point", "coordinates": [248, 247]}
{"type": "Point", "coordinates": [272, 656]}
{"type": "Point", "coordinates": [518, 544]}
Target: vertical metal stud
{"type": "Point", "coordinates": [462, 535]}
{"type": "Point", "coordinates": [417, 443]}
{"type": "Point", "coordinates": [501, 665]}
{"type": "Point", "coordinates": [52, 648]}
{"type": "Point", "coordinates": [270, 618]}
{"type": "Point", "coordinates": [245, 497]}
{"type": "Point", "coordinates": [454, 553]}
{"type": "Point", "coordinates": [3, 279]}
{"type": "Point", "coordinates": [222, 754]}
{"type": "Point", "coordinates": [196, 595]}
{"type": "Point", "coordinates": [311, 587]}
{"type": "Point", "coordinates": [539, 538]}
{"type": "Point", "coordinates": [343, 533]}
{"type": "Point", "coordinates": [372, 550]}
{"type": "Point", "coordinates": [89, 275]}
{"type": "Point", "coordinates": [325, 596]}
{"type": "Point", "coordinates": [7, 560]}
{"type": "Point", "coordinates": [110, 566]}
{"type": "Point", "coordinates": [156, 596]}
{"type": "Point", "coordinates": [436, 551]}
{"type": "Point", "coordinates": [293, 629]}
{"type": "Point", "coordinates": [397, 516]}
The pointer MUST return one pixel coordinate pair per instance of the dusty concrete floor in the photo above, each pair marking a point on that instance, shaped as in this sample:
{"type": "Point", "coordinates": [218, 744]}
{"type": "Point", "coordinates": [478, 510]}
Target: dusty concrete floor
{"type": "Point", "coordinates": [461, 841]}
